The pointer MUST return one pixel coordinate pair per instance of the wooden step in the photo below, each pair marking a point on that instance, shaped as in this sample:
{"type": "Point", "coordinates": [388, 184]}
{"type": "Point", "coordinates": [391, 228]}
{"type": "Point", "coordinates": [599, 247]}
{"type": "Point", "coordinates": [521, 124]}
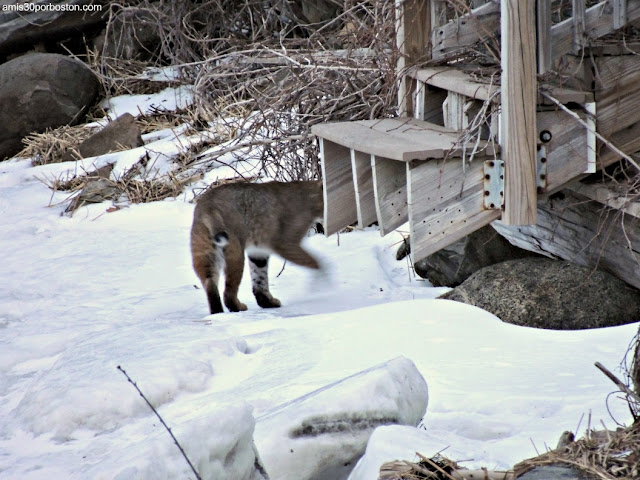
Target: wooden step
{"type": "Point", "coordinates": [398, 170]}
{"type": "Point", "coordinates": [464, 83]}
{"type": "Point", "coordinates": [364, 167]}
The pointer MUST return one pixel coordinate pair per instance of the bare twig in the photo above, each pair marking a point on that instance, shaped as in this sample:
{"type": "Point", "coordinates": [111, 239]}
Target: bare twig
{"type": "Point", "coordinates": [175, 440]}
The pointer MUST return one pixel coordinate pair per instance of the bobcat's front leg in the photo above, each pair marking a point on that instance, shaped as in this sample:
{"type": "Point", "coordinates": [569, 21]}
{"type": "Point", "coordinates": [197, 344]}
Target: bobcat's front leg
{"type": "Point", "coordinates": [259, 269]}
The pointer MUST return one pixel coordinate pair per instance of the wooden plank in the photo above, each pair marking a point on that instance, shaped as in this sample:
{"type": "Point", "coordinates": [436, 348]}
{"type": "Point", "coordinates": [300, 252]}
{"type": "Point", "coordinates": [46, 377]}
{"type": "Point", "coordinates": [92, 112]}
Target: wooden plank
{"type": "Point", "coordinates": [614, 196]}
{"type": "Point", "coordinates": [453, 109]}
{"type": "Point", "coordinates": [543, 20]}
{"type": "Point", "coordinates": [390, 191]}
{"type": "Point", "coordinates": [339, 196]}
{"type": "Point", "coordinates": [401, 139]}
{"type": "Point", "coordinates": [619, 13]}
{"type": "Point", "coordinates": [615, 113]}
{"type": "Point", "coordinates": [445, 204]}
{"type": "Point", "coordinates": [598, 21]}
{"type": "Point", "coordinates": [461, 82]}
{"type": "Point", "coordinates": [518, 129]}
{"type": "Point", "coordinates": [455, 81]}
{"type": "Point", "coordinates": [627, 140]}
{"type": "Point", "coordinates": [578, 230]}
{"type": "Point", "coordinates": [413, 28]}
{"type": "Point", "coordinates": [579, 41]}
{"type": "Point", "coordinates": [567, 153]}
{"type": "Point", "coordinates": [615, 74]}
{"type": "Point", "coordinates": [465, 30]}
{"type": "Point", "coordinates": [363, 185]}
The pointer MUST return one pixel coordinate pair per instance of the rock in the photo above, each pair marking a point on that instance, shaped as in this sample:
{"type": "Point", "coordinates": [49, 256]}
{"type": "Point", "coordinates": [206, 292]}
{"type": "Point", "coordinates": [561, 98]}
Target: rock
{"type": "Point", "coordinates": [452, 265]}
{"type": "Point", "coordinates": [20, 31]}
{"type": "Point", "coordinates": [322, 434]}
{"type": "Point", "coordinates": [40, 91]}
{"type": "Point", "coordinates": [555, 472]}
{"type": "Point", "coordinates": [545, 293]}
{"type": "Point", "coordinates": [121, 134]}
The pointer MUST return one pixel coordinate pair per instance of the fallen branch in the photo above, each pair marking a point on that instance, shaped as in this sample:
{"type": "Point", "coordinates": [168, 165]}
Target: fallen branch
{"type": "Point", "coordinates": [630, 393]}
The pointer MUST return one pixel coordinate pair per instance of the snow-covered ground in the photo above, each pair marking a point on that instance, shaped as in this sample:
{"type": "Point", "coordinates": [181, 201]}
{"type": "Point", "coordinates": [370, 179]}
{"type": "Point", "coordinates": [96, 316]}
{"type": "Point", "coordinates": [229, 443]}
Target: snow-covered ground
{"type": "Point", "coordinates": [80, 296]}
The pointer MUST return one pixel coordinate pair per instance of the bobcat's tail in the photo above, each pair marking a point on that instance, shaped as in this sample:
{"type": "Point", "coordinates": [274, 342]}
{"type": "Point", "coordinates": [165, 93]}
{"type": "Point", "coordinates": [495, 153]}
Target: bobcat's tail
{"type": "Point", "coordinates": [221, 239]}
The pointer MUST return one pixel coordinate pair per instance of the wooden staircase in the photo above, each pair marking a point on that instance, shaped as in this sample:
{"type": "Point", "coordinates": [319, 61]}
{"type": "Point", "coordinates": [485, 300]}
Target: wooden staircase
{"type": "Point", "coordinates": [426, 169]}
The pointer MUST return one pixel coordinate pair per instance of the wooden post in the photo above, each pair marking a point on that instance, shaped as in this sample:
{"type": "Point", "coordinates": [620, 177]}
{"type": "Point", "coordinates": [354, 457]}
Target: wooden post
{"type": "Point", "coordinates": [543, 19]}
{"type": "Point", "coordinates": [518, 97]}
{"type": "Point", "coordinates": [413, 27]}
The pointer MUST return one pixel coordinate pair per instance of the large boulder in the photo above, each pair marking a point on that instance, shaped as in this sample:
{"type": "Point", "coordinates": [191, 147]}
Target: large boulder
{"type": "Point", "coordinates": [40, 91]}
{"type": "Point", "coordinates": [554, 294]}
{"type": "Point", "coordinates": [46, 23]}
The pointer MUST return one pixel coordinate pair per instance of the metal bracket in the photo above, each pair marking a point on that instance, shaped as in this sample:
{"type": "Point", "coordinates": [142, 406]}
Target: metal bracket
{"type": "Point", "coordinates": [493, 184]}
{"type": "Point", "coordinates": [494, 179]}
{"type": "Point", "coordinates": [541, 169]}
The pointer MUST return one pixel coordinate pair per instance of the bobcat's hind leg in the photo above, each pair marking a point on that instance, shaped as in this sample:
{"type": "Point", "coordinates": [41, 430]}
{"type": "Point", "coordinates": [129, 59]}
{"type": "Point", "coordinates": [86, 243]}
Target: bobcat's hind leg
{"type": "Point", "coordinates": [234, 267]}
{"type": "Point", "coordinates": [206, 263]}
{"type": "Point", "coordinates": [259, 269]}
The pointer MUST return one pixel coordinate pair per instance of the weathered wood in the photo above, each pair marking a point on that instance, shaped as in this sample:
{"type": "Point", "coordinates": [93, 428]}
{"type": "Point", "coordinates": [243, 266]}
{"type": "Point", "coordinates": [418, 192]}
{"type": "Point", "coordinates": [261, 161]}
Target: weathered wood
{"type": "Point", "coordinates": [518, 131]}
{"type": "Point", "coordinates": [465, 30]}
{"type": "Point", "coordinates": [617, 90]}
{"type": "Point", "coordinates": [619, 13]}
{"type": "Point", "coordinates": [577, 17]}
{"type": "Point", "coordinates": [566, 151]}
{"type": "Point", "coordinates": [363, 185]}
{"type": "Point", "coordinates": [397, 138]}
{"type": "Point", "coordinates": [543, 20]}
{"type": "Point", "coordinates": [454, 112]}
{"type": "Point", "coordinates": [390, 189]}
{"type": "Point", "coordinates": [579, 230]}
{"type": "Point", "coordinates": [627, 140]}
{"type": "Point", "coordinates": [598, 21]}
{"type": "Point", "coordinates": [445, 204]}
{"type": "Point", "coordinates": [454, 80]}
{"type": "Point", "coordinates": [339, 196]}
{"type": "Point", "coordinates": [617, 196]}
{"type": "Point", "coordinates": [413, 27]}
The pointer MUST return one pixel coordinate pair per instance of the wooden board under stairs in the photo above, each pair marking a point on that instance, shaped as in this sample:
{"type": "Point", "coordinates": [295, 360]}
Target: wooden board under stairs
{"type": "Point", "coordinates": [398, 170]}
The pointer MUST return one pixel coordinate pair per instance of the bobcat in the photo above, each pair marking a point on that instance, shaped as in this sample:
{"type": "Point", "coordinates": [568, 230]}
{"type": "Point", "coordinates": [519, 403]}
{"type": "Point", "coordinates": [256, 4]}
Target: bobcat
{"type": "Point", "coordinates": [261, 218]}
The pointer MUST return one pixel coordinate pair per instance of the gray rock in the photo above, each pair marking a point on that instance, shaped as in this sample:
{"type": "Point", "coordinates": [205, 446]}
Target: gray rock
{"type": "Point", "coordinates": [20, 31]}
{"type": "Point", "coordinates": [555, 472]}
{"type": "Point", "coordinates": [452, 265]}
{"type": "Point", "coordinates": [121, 133]}
{"type": "Point", "coordinates": [546, 293]}
{"type": "Point", "coordinates": [40, 91]}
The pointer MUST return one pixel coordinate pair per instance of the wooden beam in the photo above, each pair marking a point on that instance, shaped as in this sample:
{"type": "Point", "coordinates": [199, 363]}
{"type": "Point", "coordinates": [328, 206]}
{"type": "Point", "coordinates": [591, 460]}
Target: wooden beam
{"type": "Point", "coordinates": [619, 13]}
{"type": "Point", "coordinates": [390, 189]}
{"type": "Point", "coordinates": [598, 21]}
{"type": "Point", "coordinates": [584, 232]}
{"type": "Point", "coordinates": [543, 21]}
{"type": "Point", "coordinates": [577, 16]}
{"type": "Point", "coordinates": [465, 30]}
{"type": "Point", "coordinates": [413, 27]}
{"type": "Point", "coordinates": [519, 91]}
{"type": "Point", "coordinates": [339, 196]}
{"type": "Point", "coordinates": [363, 185]}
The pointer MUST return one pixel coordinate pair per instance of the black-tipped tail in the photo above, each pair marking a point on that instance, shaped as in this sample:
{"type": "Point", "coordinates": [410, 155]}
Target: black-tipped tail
{"type": "Point", "coordinates": [221, 239]}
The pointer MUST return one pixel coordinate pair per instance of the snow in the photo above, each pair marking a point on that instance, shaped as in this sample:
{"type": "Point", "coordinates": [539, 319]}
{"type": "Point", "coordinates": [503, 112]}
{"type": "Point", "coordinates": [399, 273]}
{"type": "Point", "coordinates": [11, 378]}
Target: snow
{"type": "Point", "coordinates": [81, 296]}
